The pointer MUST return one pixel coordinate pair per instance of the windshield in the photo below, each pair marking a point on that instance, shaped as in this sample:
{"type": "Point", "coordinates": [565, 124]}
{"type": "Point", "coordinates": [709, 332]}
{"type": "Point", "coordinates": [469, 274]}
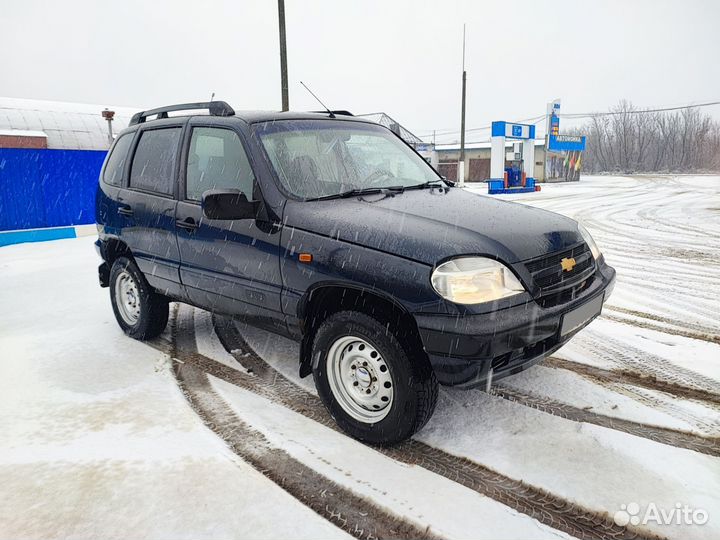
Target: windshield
{"type": "Point", "coordinates": [322, 158]}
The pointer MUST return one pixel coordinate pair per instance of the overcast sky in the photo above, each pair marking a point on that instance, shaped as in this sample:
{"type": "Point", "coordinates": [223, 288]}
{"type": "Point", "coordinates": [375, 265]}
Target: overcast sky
{"type": "Point", "coordinates": [400, 57]}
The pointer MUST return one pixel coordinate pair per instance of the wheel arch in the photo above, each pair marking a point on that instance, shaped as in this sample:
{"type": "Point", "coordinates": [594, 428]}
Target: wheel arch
{"type": "Point", "coordinates": [325, 299]}
{"type": "Point", "coordinates": [112, 248]}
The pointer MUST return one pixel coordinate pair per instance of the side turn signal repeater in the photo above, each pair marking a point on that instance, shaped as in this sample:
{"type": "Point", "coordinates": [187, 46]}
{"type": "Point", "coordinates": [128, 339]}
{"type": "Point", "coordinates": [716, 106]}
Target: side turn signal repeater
{"type": "Point", "coordinates": [305, 257]}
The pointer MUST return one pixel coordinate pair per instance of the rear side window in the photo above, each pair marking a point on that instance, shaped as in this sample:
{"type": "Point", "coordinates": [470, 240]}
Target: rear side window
{"type": "Point", "coordinates": [217, 160]}
{"type": "Point", "coordinates": [113, 174]}
{"type": "Point", "coordinates": [154, 160]}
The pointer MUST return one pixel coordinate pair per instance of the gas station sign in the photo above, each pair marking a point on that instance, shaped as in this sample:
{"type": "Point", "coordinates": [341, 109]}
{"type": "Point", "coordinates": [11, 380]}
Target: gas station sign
{"type": "Point", "coordinates": [567, 143]}
{"type": "Point", "coordinates": [513, 131]}
{"type": "Point", "coordinates": [557, 142]}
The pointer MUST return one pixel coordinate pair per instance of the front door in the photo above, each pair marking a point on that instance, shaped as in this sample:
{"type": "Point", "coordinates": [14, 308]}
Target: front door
{"type": "Point", "coordinates": [229, 266]}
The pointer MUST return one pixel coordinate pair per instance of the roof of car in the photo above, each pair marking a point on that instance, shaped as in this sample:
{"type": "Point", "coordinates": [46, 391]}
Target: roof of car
{"type": "Point", "coordinates": [255, 117]}
{"type": "Point", "coordinates": [252, 117]}
{"type": "Point", "coordinates": [222, 109]}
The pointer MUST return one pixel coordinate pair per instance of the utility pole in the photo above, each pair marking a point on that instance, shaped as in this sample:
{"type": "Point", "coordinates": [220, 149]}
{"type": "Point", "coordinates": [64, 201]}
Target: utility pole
{"type": "Point", "coordinates": [283, 57]}
{"type": "Point", "coordinates": [461, 163]}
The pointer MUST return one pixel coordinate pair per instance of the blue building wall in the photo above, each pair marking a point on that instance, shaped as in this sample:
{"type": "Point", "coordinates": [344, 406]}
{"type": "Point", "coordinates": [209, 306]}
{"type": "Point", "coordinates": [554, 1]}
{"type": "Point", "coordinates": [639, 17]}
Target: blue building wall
{"type": "Point", "coordinates": [48, 188]}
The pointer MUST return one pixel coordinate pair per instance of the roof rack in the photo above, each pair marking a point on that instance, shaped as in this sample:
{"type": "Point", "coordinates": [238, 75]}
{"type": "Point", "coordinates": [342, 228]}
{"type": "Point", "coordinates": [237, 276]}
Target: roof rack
{"type": "Point", "coordinates": [341, 113]}
{"type": "Point", "coordinates": [216, 108]}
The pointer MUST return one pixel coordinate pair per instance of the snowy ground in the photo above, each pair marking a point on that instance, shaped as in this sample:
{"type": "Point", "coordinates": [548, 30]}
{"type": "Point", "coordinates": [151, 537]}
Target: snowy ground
{"type": "Point", "coordinates": [98, 440]}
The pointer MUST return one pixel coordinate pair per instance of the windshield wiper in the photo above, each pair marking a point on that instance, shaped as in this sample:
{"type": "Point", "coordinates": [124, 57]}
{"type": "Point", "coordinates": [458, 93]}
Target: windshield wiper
{"type": "Point", "coordinates": [428, 184]}
{"type": "Point", "coordinates": [360, 191]}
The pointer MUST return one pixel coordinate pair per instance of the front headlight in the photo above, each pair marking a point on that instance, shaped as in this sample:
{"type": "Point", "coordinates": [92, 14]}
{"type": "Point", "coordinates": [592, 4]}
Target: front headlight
{"type": "Point", "coordinates": [473, 280]}
{"type": "Point", "coordinates": [589, 241]}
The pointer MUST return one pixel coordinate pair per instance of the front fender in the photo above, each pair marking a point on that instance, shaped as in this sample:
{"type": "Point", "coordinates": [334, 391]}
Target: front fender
{"type": "Point", "coordinates": [404, 282]}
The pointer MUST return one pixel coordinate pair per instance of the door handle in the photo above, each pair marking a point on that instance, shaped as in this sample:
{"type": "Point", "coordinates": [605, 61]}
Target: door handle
{"type": "Point", "coordinates": [188, 224]}
{"type": "Point", "coordinates": [125, 211]}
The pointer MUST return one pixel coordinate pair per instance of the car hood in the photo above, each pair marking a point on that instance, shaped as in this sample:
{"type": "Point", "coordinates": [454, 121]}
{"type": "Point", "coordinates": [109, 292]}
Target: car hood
{"type": "Point", "coordinates": [430, 225]}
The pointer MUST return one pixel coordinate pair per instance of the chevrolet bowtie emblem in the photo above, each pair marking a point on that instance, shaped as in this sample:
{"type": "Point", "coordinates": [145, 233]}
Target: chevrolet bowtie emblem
{"type": "Point", "coordinates": [567, 264]}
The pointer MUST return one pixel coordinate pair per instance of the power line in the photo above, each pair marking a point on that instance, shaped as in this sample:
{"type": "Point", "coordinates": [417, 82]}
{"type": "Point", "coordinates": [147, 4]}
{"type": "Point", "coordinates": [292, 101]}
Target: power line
{"type": "Point", "coordinates": [538, 119]}
{"type": "Point", "coordinates": [482, 128]}
{"type": "Point", "coordinates": [532, 120]}
{"type": "Point", "coordinates": [638, 111]}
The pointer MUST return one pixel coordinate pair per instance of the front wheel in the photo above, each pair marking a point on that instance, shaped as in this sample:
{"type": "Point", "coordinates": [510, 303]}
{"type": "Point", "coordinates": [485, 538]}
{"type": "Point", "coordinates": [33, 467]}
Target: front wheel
{"type": "Point", "coordinates": [140, 311]}
{"type": "Point", "coordinates": [372, 384]}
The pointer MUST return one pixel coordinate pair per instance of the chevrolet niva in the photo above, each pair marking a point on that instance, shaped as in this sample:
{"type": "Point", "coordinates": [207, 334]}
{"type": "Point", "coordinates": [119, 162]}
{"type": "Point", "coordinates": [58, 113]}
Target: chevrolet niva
{"type": "Point", "coordinates": [333, 231]}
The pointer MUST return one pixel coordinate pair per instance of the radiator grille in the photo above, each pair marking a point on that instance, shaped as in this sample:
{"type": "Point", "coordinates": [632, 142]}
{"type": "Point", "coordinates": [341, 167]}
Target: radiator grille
{"type": "Point", "coordinates": [555, 282]}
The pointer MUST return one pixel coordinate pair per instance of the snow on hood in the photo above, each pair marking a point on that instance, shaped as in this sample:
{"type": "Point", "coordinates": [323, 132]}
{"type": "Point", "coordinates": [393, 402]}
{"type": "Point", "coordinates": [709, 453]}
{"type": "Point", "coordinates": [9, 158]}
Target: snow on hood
{"type": "Point", "coordinates": [432, 225]}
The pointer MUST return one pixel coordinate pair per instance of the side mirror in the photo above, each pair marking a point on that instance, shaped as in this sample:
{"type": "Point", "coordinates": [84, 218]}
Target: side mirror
{"type": "Point", "coordinates": [228, 204]}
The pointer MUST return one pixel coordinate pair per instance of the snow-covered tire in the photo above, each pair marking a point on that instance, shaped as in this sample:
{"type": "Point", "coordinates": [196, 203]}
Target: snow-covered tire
{"type": "Point", "coordinates": [373, 385]}
{"type": "Point", "coordinates": [140, 311]}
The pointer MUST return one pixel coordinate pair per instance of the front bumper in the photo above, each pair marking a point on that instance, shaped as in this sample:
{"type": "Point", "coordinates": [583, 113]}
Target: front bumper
{"type": "Point", "coordinates": [464, 349]}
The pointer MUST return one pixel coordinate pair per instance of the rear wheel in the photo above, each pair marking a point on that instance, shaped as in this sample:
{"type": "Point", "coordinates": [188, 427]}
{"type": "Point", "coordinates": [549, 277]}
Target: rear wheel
{"type": "Point", "coordinates": [377, 390]}
{"type": "Point", "coordinates": [140, 311]}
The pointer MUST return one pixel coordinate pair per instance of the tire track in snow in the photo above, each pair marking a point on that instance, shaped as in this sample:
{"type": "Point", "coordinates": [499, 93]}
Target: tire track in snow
{"type": "Point", "coordinates": [663, 269]}
{"type": "Point", "coordinates": [537, 503]}
{"type": "Point", "coordinates": [606, 348]}
{"type": "Point", "coordinates": [351, 513]}
{"type": "Point", "coordinates": [671, 437]}
{"type": "Point", "coordinates": [698, 313]}
{"type": "Point", "coordinates": [662, 285]}
{"type": "Point", "coordinates": [672, 219]}
{"type": "Point", "coordinates": [625, 216]}
{"type": "Point", "coordinates": [665, 402]}
{"type": "Point", "coordinates": [668, 405]}
{"type": "Point", "coordinates": [671, 226]}
{"type": "Point", "coordinates": [635, 378]}
{"type": "Point", "coordinates": [693, 331]}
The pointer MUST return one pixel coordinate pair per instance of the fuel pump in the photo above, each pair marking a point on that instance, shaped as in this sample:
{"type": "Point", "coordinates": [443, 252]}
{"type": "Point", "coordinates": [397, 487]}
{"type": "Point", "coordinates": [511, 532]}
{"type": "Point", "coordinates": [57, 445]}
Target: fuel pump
{"type": "Point", "coordinates": [515, 176]}
{"type": "Point", "coordinates": [512, 172]}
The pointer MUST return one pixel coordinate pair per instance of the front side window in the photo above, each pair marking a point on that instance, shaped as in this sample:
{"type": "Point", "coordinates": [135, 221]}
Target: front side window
{"type": "Point", "coordinates": [154, 160]}
{"type": "Point", "coordinates": [217, 160]}
{"type": "Point", "coordinates": [113, 173]}
{"type": "Point", "coordinates": [320, 158]}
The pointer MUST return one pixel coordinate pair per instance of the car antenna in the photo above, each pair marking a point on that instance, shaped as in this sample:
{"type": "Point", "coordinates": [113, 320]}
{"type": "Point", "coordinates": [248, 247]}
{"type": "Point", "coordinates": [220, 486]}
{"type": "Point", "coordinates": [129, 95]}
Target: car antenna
{"type": "Point", "coordinates": [212, 96]}
{"type": "Point", "coordinates": [318, 100]}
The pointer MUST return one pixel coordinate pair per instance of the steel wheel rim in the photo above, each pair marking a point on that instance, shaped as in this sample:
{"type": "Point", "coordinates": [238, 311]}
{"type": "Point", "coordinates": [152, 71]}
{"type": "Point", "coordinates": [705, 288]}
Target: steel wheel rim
{"type": "Point", "coordinates": [127, 298]}
{"type": "Point", "coordinates": [360, 379]}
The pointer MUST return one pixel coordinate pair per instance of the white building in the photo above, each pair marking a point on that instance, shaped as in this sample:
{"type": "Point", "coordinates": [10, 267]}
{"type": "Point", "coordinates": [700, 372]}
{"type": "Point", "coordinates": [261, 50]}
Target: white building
{"type": "Point", "coordinates": [29, 123]}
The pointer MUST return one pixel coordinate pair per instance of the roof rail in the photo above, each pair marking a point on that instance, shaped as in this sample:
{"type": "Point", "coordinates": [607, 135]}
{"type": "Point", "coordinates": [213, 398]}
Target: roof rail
{"type": "Point", "coordinates": [216, 108]}
{"type": "Point", "coordinates": [341, 113]}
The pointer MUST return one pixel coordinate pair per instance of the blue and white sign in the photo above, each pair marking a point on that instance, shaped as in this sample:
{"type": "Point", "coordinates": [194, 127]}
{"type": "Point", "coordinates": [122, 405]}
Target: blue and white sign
{"type": "Point", "coordinates": [566, 143]}
{"type": "Point", "coordinates": [513, 131]}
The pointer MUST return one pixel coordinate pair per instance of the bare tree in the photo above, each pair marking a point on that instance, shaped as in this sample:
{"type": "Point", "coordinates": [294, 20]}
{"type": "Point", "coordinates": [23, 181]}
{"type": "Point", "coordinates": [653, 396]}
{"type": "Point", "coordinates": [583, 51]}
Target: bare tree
{"type": "Point", "coordinates": [631, 140]}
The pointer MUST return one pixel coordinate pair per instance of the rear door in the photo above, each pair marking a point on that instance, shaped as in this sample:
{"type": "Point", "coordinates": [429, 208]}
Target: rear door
{"type": "Point", "coordinates": [148, 204]}
{"type": "Point", "coordinates": [230, 266]}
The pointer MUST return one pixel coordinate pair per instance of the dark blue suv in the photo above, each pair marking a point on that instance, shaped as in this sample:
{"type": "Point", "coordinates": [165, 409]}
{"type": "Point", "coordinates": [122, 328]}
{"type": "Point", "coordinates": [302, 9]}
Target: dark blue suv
{"type": "Point", "coordinates": [331, 230]}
